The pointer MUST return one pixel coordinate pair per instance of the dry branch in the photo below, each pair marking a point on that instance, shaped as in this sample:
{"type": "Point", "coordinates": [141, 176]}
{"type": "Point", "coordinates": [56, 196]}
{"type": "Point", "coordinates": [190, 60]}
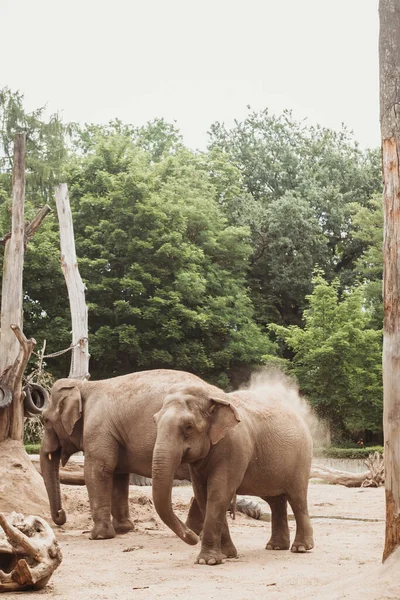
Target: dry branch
{"type": "Point", "coordinates": [33, 226]}
{"type": "Point", "coordinates": [12, 421]}
{"type": "Point", "coordinates": [29, 552]}
{"type": "Point", "coordinates": [376, 464]}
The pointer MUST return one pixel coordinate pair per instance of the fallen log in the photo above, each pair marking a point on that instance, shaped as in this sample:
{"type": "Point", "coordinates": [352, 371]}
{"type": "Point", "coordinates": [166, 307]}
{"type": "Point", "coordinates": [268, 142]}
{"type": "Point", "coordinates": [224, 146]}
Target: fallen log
{"type": "Point", "coordinates": [29, 552]}
{"type": "Point", "coordinates": [374, 477]}
{"type": "Point", "coordinates": [72, 473]}
{"type": "Point", "coordinates": [334, 476]}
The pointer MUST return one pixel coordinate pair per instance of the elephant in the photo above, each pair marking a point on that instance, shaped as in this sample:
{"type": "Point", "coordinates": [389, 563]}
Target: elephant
{"type": "Point", "coordinates": [112, 421]}
{"type": "Point", "coordinates": [241, 442]}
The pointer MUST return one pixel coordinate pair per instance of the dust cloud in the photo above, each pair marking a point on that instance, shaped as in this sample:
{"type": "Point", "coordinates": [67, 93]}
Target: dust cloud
{"type": "Point", "coordinates": [274, 385]}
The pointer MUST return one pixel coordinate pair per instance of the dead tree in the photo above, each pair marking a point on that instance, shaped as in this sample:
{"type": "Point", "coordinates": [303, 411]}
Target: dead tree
{"type": "Point", "coordinates": [389, 62]}
{"type": "Point", "coordinates": [75, 286]}
{"type": "Point", "coordinates": [15, 349]}
{"type": "Point", "coordinates": [11, 363]}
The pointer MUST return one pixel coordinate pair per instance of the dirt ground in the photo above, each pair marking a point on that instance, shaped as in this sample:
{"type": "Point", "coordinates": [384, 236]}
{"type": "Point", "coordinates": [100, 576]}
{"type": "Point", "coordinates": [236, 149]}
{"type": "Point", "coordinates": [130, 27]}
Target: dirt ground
{"type": "Point", "coordinates": [153, 563]}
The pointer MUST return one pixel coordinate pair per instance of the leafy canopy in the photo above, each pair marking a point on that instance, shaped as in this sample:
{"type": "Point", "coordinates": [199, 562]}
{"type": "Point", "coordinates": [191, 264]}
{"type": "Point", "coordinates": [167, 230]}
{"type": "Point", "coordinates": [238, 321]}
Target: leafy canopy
{"type": "Point", "coordinates": [337, 357]}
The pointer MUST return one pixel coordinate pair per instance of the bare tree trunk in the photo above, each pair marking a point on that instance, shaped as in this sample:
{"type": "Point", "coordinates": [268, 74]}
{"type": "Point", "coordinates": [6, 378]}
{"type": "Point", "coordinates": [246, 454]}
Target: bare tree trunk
{"type": "Point", "coordinates": [389, 58]}
{"type": "Point", "coordinates": [12, 416]}
{"type": "Point", "coordinates": [76, 288]}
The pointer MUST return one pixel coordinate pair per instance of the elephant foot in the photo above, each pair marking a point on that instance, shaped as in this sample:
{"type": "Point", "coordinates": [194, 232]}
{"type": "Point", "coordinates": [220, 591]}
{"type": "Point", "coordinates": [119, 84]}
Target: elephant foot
{"type": "Point", "coordinates": [228, 550]}
{"type": "Point", "coordinates": [123, 526]}
{"type": "Point", "coordinates": [102, 531]}
{"type": "Point", "coordinates": [302, 545]}
{"type": "Point", "coordinates": [210, 557]}
{"type": "Point", "coordinates": [278, 544]}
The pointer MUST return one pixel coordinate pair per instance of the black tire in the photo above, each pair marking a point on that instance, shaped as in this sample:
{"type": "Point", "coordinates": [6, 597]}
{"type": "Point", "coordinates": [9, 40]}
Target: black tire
{"type": "Point", "coordinates": [251, 508]}
{"type": "Point", "coordinates": [36, 399]}
{"type": "Point", "coordinates": [5, 396]}
{"type": "Point", "coordinates": [139, 480]}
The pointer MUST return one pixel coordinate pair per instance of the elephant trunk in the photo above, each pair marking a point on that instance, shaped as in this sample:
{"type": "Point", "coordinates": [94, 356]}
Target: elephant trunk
{"type": "Point", "coordinates": [50, 468]}
{"type": "Point", "coordinates": [165, 464]}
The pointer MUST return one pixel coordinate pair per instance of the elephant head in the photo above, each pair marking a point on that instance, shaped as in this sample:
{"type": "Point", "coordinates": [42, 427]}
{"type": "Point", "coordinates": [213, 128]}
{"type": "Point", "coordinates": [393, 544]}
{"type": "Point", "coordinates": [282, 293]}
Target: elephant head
{"type": "Point", "coordinates": [63, 424]}
{"type": "Point", "coordinates": [192, 419]}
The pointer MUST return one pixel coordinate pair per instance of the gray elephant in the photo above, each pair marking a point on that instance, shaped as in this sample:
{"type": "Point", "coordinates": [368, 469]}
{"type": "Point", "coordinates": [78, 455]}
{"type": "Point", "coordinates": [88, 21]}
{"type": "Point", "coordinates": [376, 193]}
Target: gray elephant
{"type": "Point", "coordinates": [112, 421]}
{"type": "Point", "coordinates": [234, 443]}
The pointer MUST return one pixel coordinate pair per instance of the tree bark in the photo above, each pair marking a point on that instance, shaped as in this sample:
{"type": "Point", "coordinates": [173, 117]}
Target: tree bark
{"type": "Point", "coordinates": [15, 349]}
{"type": "Point", "coordinates": [12, 416]}
{"type": "Point", "coordinates": [389, 59]}
{"type": "Point", "coordinates": [76, 288]}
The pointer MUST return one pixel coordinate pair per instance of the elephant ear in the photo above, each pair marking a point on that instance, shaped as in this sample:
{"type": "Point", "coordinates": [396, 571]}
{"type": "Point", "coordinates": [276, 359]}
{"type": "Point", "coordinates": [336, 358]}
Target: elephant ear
{"type": "Point", "coordinates": [224, 417]}
{"type": "Point", "coordinates": [69, 406]}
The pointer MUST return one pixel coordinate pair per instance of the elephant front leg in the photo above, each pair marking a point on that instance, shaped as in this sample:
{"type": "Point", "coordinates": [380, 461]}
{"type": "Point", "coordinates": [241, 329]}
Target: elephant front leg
{"type": "Point", "coordinates": [99, 483]}
{"type": "Point", "coordinates": [195, 522]}
{"type": "Point", "coordinates": [216, 543]}
{"type": "Point", "coordinates": [120, 503]}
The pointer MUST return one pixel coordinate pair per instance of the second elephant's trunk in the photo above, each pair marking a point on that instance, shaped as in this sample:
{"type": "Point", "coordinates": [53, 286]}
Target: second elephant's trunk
{"type": "Point", "coordinates": [165, 464]}
{"type": "Point", "coordinates": [50, 468]}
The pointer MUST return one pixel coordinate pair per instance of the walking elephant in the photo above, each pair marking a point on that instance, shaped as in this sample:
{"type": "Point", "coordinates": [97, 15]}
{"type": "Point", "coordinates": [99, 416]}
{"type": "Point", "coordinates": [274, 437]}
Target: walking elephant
{"type": "Point", "coordinates": [112, 421]}
{"type": "Point", "coordinates": [234, 443]}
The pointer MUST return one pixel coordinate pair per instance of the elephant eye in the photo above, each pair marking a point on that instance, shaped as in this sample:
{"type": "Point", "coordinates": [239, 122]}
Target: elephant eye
{"type": "Point", "coordinates": [188, 429]}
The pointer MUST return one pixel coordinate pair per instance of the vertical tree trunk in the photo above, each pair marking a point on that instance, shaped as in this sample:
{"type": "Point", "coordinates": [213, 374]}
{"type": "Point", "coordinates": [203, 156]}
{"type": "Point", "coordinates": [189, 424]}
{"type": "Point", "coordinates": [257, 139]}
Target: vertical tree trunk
{"type": "Point", "coordinates": [12, 417]}
{"type": "Point", "coordinates": [389, 58]}
{"type": "Point", "coordinates": [76, 288]}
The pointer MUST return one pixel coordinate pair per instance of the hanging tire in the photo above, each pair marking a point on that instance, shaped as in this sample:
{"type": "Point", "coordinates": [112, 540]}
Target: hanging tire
{"type": "Point", "coordinates": [5, 396]}
{"type": "Point", "coordinates": [36, 399]}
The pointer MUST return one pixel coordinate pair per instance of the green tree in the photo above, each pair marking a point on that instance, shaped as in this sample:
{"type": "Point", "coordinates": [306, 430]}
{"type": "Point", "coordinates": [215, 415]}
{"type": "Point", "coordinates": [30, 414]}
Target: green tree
{"type": "Point", "coordinates": [368, 229]}
{"type": "Point", "coordinates": [316, 172]}
{"type": "Point", "coordinates": [337, 358]}
{"type": "Point", "coordinates": [166, 273]}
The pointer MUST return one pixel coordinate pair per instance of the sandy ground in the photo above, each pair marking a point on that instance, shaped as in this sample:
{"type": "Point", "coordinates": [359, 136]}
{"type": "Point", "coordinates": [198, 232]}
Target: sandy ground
{"type": "Point", "coordinates": [153, 563]}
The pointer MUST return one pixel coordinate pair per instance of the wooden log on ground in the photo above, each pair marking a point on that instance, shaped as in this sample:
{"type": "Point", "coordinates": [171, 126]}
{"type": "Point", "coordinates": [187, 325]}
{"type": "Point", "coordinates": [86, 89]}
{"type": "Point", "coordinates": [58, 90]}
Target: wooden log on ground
{"type": "Point", "coordinates": [339, 477]}
{"type": "Point", "coordinates": [72, 473]}
{"type": "Point", "coordinates": [29, 552]}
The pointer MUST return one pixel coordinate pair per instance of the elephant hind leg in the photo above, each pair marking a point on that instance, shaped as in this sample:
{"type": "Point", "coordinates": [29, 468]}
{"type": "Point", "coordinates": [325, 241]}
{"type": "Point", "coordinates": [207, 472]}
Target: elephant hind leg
{"type": "Point", "coordinates": [280, 538]}
{"type": "Point", "coordinates": [304, 532]}
{"type": "Point", "coordinates": [120, 503]}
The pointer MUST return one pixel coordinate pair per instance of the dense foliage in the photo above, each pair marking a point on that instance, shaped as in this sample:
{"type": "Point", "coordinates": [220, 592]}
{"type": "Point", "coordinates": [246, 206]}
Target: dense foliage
{"type": "Point", "coordinates": [337, 358]}
{"type": "Point", "coordinates": [208, 261]}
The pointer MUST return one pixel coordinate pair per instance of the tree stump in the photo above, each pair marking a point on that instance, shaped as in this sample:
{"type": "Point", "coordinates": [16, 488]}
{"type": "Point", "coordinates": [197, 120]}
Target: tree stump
{"type": "Point", "coordinates": [29, 553]}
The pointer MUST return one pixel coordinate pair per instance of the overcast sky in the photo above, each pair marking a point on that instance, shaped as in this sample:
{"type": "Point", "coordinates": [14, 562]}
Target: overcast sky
{"type": "Point", "coordinates": [196, 62]}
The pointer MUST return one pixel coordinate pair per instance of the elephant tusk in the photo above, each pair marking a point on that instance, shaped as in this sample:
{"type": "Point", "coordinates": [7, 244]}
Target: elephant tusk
{"type": "Point", "coordinates": [49, 455]}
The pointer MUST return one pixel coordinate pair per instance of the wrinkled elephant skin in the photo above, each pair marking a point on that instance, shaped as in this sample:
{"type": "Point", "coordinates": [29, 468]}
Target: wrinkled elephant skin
{"type": "Point", "coordinates": [244, 442]}
{"type": "Point", "coordinates": [112, 421]}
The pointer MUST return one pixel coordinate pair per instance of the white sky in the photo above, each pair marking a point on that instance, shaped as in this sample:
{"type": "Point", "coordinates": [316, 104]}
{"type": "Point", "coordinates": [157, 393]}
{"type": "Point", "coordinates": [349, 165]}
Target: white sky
{"type": "Point", "coordinates": [196, 62]}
